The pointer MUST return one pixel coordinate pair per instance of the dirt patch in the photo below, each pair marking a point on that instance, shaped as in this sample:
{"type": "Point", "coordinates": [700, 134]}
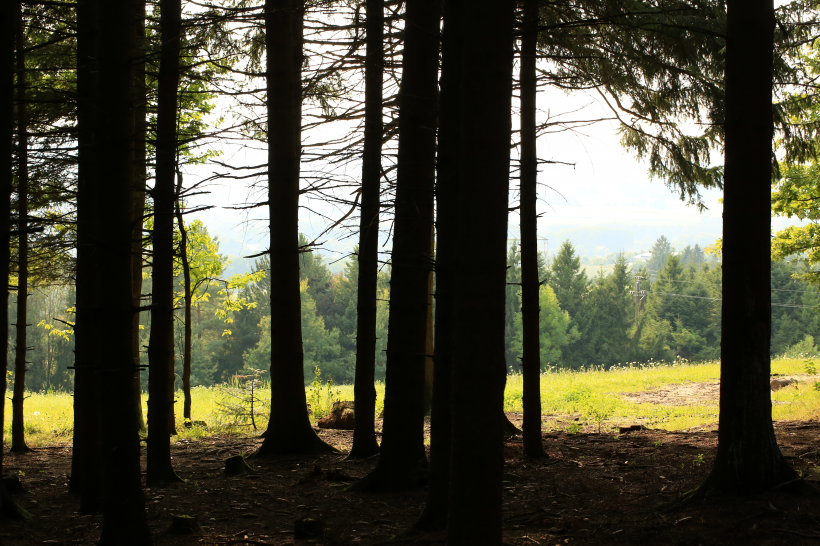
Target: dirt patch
{"type": "Point", "coordinates": [691, 394]}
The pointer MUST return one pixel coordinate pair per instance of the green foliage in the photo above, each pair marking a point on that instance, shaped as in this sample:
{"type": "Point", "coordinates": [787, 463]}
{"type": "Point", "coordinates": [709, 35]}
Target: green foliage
{"type": "Point", "coordinates": [661, 251]}
{"type": "Point", "coordinates": [241, 402]}
{"type": "Point", "coordinates": [320, 396]}
{"type": "Point", "coordinates": [554, 328]}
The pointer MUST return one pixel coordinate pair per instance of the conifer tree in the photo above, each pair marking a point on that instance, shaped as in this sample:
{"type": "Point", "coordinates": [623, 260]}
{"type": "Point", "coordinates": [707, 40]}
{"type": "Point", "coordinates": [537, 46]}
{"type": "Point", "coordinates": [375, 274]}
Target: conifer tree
{"type": "Point", "coordinates": [161, 344]}
{"type": "Point", "coordinates": [402, 447]}
{"type": "Point", "coordinates": [124, 518]}
{"type": "Point", "coordinates": [748, 461]}
{"type": "Point", "coordinates": [364, 437]}
{"type": "Point", "coordinates": [289, 431]}
{"type": "Point", "coordinates": [485, 85]}
{"type": "Point", "coordinates": [8, 506]}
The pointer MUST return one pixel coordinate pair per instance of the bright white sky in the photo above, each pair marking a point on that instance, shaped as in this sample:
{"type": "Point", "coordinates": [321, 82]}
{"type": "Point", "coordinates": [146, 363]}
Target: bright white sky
{"type": "Point", "coordinates": [606, 189]}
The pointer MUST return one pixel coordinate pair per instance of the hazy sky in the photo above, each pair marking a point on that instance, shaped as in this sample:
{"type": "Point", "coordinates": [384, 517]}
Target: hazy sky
{"type": "Point", "coordinates": [606, 188]}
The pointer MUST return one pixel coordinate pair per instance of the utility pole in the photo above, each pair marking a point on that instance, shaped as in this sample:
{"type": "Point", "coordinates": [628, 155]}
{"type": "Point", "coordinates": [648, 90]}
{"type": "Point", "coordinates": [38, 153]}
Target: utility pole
{"type": "Point", "coordinates": [638, 293]}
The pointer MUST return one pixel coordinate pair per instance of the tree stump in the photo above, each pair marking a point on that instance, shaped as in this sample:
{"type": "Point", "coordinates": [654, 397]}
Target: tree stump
{"type": "Point", "coordinates": [236, 465]}
{"type": "Point", "coordinates": [307, 528]}
{"type": "Point", "coordinates": [184, 525]}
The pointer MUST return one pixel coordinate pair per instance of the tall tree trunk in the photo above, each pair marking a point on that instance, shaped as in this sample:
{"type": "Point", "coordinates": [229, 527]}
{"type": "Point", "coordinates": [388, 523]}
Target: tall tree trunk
{"type": "Point", "coordinates": [402, 448]}
{"type": "Point", "coordinates": [364, 435]}
{"type": "Point", "coordinates": [530, 284]}
{"type": "Point", "coordinates": [479, 370]}
{"type": "Point", "coordinates": [186, 280]}
{"type": "Point", "coordinates": [124, 518]}
{"type": "Point", "coordinates": [86, 463]}
{"type": "Point", "coordinates": [161, 344]}
{"type": "Point", "coordinates": [140, 178]}
{"type": "Point", "coordinates": [18, 440]}
{"type": "Point", "coordinates": [8, 507]}
{"type": "Point", "coordinates": [429, 339]}
{"type": "Point", "coordinates": [748, 460]}
{"type": "Point", "coordinates": [436, 510]}
{"type": "Point", "coordinates": [289, 431]}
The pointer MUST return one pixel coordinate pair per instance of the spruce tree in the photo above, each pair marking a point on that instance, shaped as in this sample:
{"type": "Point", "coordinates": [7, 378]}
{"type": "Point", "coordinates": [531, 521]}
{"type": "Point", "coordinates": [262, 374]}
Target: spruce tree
{"type": "Point", "coordinates": [568, 279]}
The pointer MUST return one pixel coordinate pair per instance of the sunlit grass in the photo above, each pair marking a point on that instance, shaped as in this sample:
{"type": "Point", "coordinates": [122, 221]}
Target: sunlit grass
{"type": "Point", "coordinates": [592, 395]}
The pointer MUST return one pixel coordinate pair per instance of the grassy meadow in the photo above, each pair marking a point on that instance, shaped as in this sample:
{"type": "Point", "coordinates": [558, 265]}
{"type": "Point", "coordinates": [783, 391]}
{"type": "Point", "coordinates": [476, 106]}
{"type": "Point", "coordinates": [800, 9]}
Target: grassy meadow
{"type": "Point", "coordinates": [593, 396]}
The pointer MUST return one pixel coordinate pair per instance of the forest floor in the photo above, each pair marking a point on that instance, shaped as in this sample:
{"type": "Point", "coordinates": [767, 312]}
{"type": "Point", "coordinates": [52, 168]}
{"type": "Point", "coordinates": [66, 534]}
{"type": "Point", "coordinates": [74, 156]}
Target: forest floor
{"type": "Point", "coordinates": [592, 489]}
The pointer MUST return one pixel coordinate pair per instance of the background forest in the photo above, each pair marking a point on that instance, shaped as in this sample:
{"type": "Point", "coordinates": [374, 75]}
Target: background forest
{"type": "Point", "coordinates": [583, 322]}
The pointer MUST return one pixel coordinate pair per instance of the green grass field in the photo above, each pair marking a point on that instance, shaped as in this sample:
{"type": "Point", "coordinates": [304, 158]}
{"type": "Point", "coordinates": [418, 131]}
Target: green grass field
{"type": "Point", "coordinates": [591, 395]}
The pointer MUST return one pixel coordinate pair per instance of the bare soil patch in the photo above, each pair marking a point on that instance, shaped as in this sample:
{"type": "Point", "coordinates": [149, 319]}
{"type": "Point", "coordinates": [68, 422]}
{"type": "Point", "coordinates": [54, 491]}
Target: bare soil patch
{"type": "Point", "coordinates": [593, 489]}
{"type": "Point", "coordinates": [688, 394]}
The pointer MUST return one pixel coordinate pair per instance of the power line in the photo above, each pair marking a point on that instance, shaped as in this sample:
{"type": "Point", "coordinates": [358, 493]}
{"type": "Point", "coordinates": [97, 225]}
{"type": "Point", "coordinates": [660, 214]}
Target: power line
{"type": "Point", "coordinates": [720, 299]}
{"type": "Point", "coordinates": [719, 284]}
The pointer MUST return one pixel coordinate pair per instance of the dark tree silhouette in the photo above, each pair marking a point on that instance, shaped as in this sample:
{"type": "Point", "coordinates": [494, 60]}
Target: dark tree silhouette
{"type": "Point", "coordinates": [8, 507]}
{"type": "Point", "coordinates": [436, 509]}
{"type": "Point", "coordinates": [530, 283]}
{"type": "Point", "coordinates": [478, 333]}
{"type": "Point", "coordinates": [140, 179]}
{"type": "Point", "coordinates": [161, 344]}
{"type": "Point", "coordinates": [364, 436]}
{"type": "Point", "coordinates": [289, 430]}
{"type": "Point", "coordinates": [86, 464]}
{"type": "Point", "coordinates": [18, 433]}
{"type": "Point", "coordinates": [402, 447]}
{"type": "Point", "coordinates": [748, 460]}
{"type": "Point", "coordinates": [124, 518]}
{"type": "Point", "coordinates": [187, 298]}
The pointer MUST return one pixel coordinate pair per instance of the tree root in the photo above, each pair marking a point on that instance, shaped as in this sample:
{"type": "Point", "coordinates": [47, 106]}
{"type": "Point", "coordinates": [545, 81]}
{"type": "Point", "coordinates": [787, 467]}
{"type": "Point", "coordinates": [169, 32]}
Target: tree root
{"type": "Point", "coordinates": [717, 490]}
{"type": "Point", "coordinates": [361, 453]}
{"type": "Point", "coordinates": [9, 508]}
{"type": "Point", "coordinates": [382, 479]}
{"type": "Point", "coordinates": [308, 444]}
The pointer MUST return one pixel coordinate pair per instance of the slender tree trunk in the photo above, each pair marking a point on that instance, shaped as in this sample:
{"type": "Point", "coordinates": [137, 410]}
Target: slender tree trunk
{"type": "Point", "coordinates": [530, 284]}
{"type": "Point", "coordinates": [479, 370]}
{"type": "Point", "coordinates": [18, 440]}
{"type": "Point", "coordinates": [8, 507]}
{"type": "Point", "coordinates": [86, 463]}
{"type": "Point", "coordinates": [186, 280]}
{"type": "Point", "coordinates": [289, 431]}
{"type": "Point", "coordinates": [124, 518]}
{"type": "Point", "coordinates": [140, 178]}
{"type": "Point", "coordinates": [748, 460]}
{"type": "Point", "coordinates": [161, 344]}
{"type": "Point", "coordinates": [436, 510]}
{"type": "Point", "coordinates": [402, 448]}
{"type": "Point", "coordinates": [364, 435]}
{"type": "Point", "coordinates": [429, 339]}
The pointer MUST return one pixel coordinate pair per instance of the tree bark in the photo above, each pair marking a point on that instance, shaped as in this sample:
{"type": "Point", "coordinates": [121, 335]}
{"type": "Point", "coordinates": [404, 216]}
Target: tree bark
{"type": "Point", "coordinates": [187, 297]}
{"type": "Point", "coordinates": [289, 431]}
{"type": "Point", "coordinates": [124, 518]}
{"type": "Point", "coordinates": [479, 370]}
{"type": "Point", "coordinates": [140, 178]}
{"type": "Point", "coordinates": [161, 344]}
{"type": "Point", "coordinates": [402, 448]}
{"type": "Point", "coordinates": [530, 284]}
{"type": "Point", "coordinates": [429, 339]}
{"type": "Point", "coordinates": [748, 460]}
{"type": "Point", "coordinates": [18, 440]}
{"type": "Point", "coordinates": [86, 463]}
{"type": "Point", "coordinates": [364, 391]}
{"type": "Point", "coordinates": [8, 507]}
{"type": "Point", "coordinates": [436, 510]}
